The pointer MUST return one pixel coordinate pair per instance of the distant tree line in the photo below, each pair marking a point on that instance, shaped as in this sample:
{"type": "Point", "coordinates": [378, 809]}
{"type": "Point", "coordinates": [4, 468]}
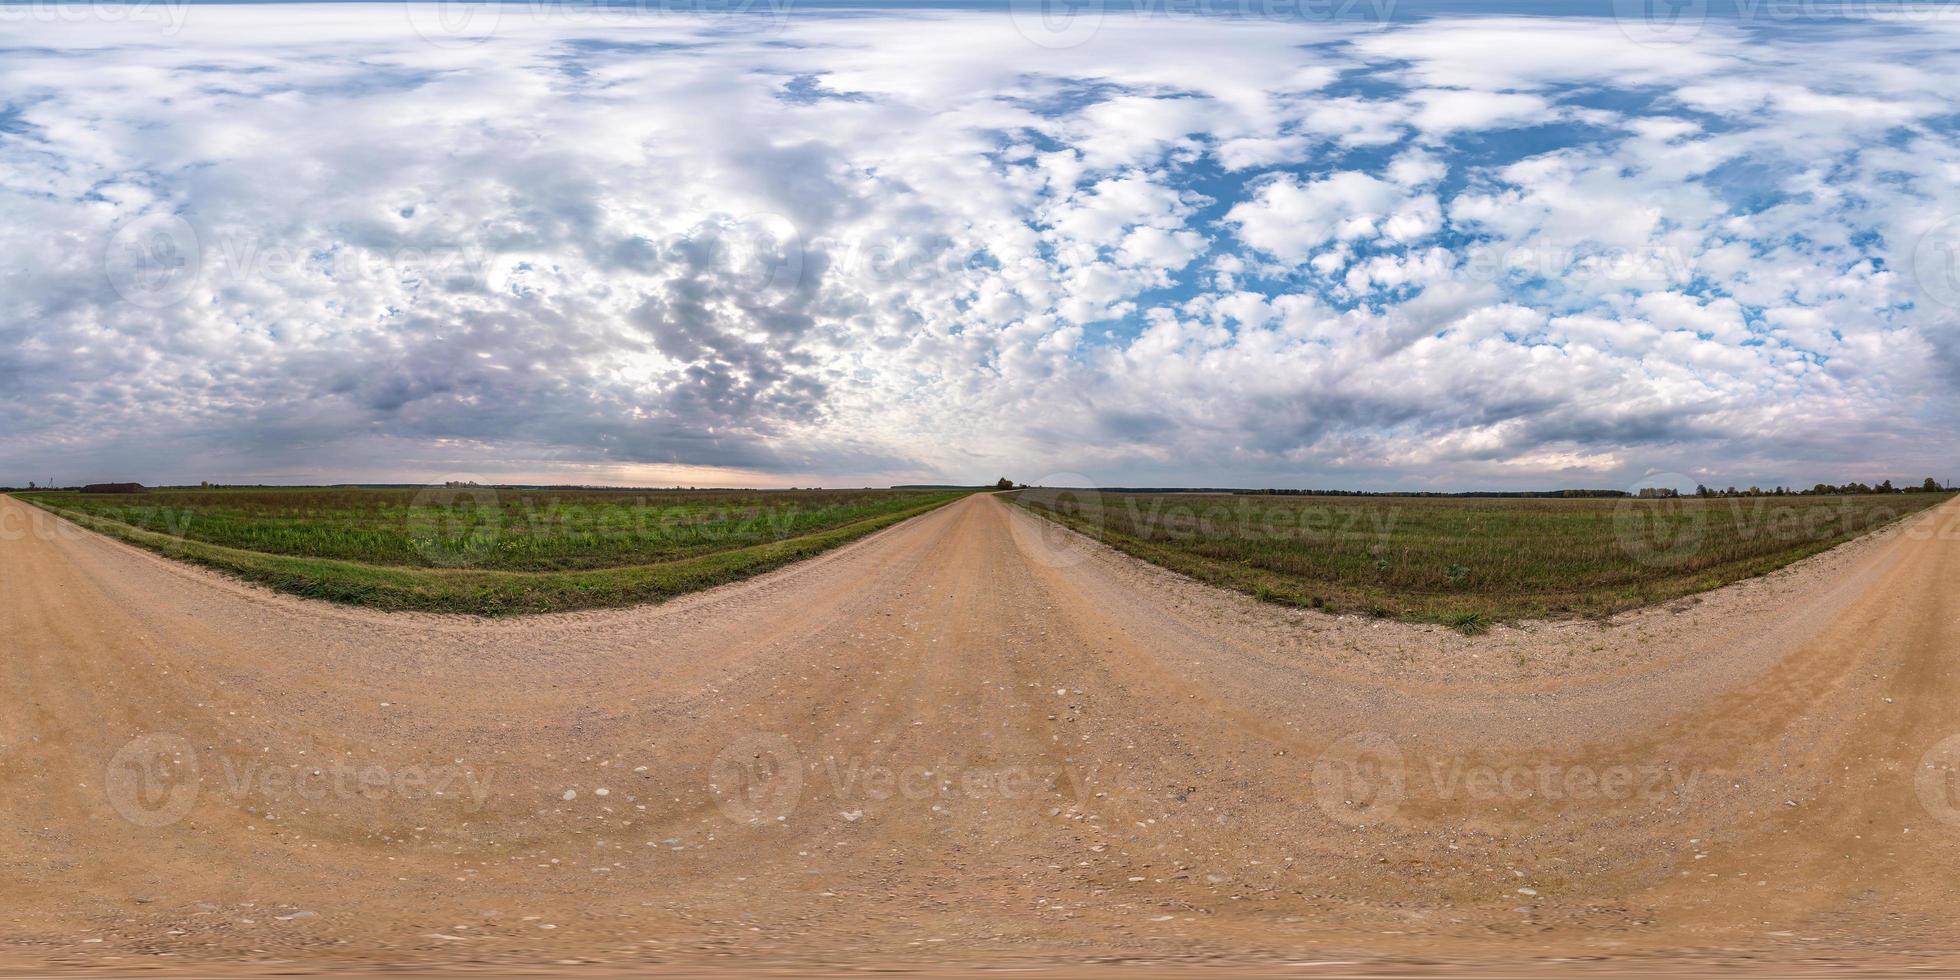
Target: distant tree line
{"type": "Point", "coordinates": [1272, 492]}
{"type": "Point", "coordinates": [1930, 485]}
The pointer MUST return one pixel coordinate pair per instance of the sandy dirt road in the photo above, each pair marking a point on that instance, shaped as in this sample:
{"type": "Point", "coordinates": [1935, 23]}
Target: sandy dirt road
{"type": "Point", "coordinates": [974, 739]}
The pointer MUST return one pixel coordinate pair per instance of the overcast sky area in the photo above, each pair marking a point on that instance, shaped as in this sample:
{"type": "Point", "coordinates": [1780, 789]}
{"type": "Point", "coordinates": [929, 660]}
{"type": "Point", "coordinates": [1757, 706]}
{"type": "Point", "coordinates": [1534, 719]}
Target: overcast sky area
{"type": "Point", "coordinates": [363, 242]}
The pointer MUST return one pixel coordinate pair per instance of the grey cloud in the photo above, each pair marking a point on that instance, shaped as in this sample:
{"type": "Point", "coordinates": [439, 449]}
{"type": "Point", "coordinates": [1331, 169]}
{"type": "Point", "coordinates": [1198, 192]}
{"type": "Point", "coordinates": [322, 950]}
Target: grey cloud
{"type": "Point", "coordinates": [559, 251]}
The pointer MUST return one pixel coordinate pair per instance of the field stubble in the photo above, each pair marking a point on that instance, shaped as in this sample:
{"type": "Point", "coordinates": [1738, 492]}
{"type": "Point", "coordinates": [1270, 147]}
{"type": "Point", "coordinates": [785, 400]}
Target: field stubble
{"type": "Point", "coordinates": [488, 550]}
{"type": "Point", "coordinates": [1470, 562]}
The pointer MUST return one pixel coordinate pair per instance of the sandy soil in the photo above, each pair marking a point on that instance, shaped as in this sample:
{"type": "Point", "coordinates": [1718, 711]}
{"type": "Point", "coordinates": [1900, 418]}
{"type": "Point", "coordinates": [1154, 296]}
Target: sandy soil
{"type": "Point", "coordinates": [975, 740]}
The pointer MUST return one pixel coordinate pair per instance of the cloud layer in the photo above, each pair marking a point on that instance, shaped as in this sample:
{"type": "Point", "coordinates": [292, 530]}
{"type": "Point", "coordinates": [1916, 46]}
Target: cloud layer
{"type": "Point", "coordinates": [334, 242]}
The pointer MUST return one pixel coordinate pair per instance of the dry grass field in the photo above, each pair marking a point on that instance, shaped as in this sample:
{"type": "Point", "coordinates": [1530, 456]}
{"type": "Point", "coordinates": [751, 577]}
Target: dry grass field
{"type": "Point", "coordinates": [1469, 562]}
{"type": "Point", "coordinates": [487, 550]}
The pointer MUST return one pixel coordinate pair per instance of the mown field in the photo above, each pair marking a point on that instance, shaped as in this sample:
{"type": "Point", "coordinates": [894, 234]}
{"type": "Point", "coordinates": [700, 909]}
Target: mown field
{"type": "Point", "coordinates": [1469, 562]}
{"type": "Point", "coordinates": [485, 550]}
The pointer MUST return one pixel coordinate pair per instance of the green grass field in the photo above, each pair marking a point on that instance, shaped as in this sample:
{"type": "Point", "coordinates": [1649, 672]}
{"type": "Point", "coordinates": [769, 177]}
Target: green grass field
{"type": "Point", "coordinates": [489, 551]}
{"type": "Point", "coordinates": [1469, 562]}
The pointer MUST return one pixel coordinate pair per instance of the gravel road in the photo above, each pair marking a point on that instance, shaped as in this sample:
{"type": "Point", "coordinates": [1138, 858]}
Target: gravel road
{"type": "Point", "coordinates": [974, 739]}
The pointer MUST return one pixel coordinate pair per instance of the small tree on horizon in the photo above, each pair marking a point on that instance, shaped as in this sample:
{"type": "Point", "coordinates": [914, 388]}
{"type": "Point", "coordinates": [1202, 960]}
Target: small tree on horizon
{"type": "Point", "coordinates": [1003, 484]}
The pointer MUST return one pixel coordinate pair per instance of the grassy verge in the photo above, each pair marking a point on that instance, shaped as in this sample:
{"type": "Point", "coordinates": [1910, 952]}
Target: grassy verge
{"type": "Point", "coordinates": [1469, 563]}
{"type": "Point", "coordinates": [490, 592]}
{"type": "Point", "coordinates": [509, 529]}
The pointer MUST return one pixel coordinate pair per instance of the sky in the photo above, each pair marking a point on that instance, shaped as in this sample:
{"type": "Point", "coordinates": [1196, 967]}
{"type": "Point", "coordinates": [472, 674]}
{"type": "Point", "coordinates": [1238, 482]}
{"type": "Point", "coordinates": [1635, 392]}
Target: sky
{"type": "Point", "coordinates": [1294, 243]}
